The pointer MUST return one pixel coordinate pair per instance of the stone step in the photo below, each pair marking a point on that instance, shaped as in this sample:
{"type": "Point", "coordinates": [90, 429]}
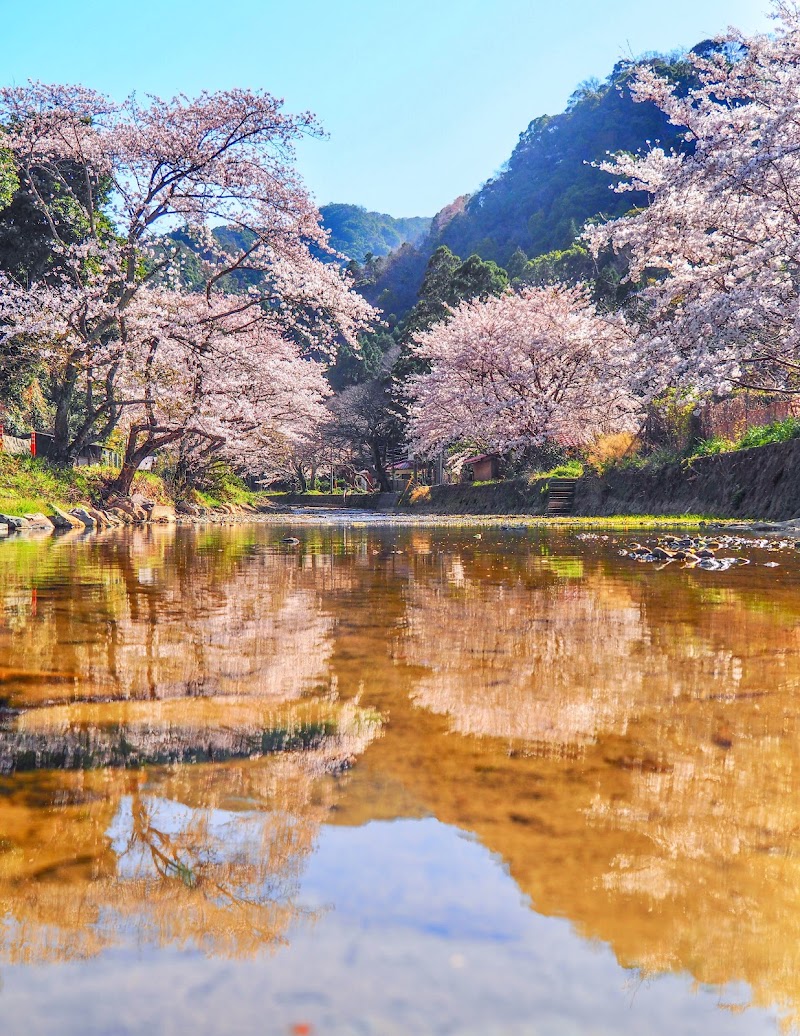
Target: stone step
{"type": "Point", "coordinates": [560, 496]}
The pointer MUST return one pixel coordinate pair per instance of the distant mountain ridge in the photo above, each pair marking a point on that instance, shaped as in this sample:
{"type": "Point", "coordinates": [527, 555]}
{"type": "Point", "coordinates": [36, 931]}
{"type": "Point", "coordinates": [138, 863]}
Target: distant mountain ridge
{"type": "Point", "coordinates": [357, 233]}
{"type": "Point", "coordinates": [549, 188]}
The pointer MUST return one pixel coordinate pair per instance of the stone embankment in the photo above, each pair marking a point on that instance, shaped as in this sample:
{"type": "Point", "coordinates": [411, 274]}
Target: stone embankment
{"type": "Point", "coordinates": [760, 483]}
{"type": "Point", "coordinates": [763, 482]}
{"type": "Point", "coordinates": [513, 496]}
{"type": "Point", "coordinates": [357, 501]}
{"type": "Point", "coordinates": [119, 511]}
{"type": "Point", "coordinates": [129, 511]}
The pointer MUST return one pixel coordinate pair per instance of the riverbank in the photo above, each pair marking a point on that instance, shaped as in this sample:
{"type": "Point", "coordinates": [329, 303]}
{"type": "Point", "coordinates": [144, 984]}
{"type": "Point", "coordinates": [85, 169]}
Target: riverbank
{"type": "Point", "coordinates": [758, 483]}
{"type": "Point", "coordinates": [38, 495]}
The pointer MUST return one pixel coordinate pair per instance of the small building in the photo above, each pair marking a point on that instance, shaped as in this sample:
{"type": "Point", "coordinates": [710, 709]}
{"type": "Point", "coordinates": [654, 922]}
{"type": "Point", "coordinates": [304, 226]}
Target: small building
{"type": "Point", "coordinates": [401, 474]}
{"type": "Point", "coordinates": [484, 467]}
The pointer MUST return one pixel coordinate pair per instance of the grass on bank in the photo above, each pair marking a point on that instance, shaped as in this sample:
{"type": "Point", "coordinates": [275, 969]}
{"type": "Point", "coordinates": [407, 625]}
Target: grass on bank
{"type": "Point", "coordinates": [758, 435]}
{"type": "Point", "coordinates": [29, 484]}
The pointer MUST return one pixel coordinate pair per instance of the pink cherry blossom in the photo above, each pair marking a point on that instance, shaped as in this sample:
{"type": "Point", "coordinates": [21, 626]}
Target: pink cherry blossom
{"type": "Point", "coordinates": [522, 369]}
{"type": "Point", "coordinates": [717, 251]}
{"type": "Point", "coordinates": [112, 321]}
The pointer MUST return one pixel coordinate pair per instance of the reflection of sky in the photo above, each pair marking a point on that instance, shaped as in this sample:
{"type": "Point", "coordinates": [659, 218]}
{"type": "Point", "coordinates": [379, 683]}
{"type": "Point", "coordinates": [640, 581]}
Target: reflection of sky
{"type": "Point", "coordinates": [427, 934]}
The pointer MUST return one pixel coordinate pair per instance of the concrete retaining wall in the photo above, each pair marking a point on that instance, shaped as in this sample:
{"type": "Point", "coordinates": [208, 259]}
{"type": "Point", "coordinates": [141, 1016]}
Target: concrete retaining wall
{"type": "Point", "coordinates": [763, 482]}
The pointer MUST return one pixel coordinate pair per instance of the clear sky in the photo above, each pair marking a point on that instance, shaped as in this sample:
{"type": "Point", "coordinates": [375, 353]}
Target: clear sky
{"type": "Point", "coordinates": [422, 99]}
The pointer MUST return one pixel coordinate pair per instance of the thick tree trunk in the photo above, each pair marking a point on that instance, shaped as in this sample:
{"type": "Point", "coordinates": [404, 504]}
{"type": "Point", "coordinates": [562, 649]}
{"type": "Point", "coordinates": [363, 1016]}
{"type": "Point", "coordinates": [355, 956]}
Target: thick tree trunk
{"type": "Point", "coordinates": [99, 419]}
{"type": "Point", "coordinates": [155, 438]}
{"type": "Point", "coordinates": [380, 469]}
{"type": "Point", "coordinates": [64, 396]}
{"type": "Point", "coordinates": [135, 453]}
{"type": "Point", "coordinates": [121, 485]}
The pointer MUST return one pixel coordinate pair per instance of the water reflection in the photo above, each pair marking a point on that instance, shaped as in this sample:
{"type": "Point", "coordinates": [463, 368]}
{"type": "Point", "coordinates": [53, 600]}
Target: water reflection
{"type": "Point", "coordinates": [188, 656]}
{"type": "Point", "coordinates": [154, 616]}
{"type": "Point", "coordinates": [181, 707]}
{"type": "Point", "coordinates": [670, 830]}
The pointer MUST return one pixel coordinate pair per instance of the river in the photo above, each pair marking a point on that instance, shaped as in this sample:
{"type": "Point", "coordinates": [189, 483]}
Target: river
{"type": "Point", "coordinates": [462, 779]}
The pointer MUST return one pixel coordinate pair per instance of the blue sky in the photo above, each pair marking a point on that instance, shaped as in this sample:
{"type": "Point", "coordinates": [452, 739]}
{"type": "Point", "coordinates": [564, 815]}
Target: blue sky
{"type": "Point", "coordinates": [422, 99]}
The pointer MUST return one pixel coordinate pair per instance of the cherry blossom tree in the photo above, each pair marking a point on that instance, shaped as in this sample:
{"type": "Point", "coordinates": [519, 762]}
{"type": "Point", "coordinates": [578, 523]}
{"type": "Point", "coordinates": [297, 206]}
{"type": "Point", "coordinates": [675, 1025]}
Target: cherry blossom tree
{"type": "Point", "coordinates": [218, 383]}
{"type": "Point", "coordinates": [523, 369]}
{"type": "Point", "coordinates": [717, 251]}
{"type": "Point", "coordinates": [222, 159]}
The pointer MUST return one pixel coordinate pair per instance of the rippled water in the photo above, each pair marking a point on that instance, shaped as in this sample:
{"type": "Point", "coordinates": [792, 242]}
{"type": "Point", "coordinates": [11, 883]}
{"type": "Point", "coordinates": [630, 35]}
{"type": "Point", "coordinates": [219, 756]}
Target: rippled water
{"type": "Point", "coordinates": [395, 780]}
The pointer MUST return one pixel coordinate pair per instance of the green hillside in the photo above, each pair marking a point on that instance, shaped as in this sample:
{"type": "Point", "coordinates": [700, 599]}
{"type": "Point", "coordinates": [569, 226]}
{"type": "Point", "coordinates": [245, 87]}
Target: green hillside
{"type": "Point", "coordinates": [545, 193]}
{"type": "Point", "coordinates": [358, 233]}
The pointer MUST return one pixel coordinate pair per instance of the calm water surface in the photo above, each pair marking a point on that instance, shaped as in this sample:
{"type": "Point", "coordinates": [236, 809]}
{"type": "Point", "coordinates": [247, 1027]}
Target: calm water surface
{"type": "Point", "coordinates": [395, 780]}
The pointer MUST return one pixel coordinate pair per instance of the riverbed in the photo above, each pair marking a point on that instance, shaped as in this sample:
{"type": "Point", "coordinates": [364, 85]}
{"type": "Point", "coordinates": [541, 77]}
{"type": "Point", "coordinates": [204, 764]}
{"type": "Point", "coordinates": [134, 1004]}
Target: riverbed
{"type": "Point", "coordinates": [345, 775]}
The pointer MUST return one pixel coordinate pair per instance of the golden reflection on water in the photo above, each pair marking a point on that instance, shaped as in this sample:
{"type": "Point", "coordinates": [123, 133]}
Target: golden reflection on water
{"type": "Point", "coordinates": [625, 739]}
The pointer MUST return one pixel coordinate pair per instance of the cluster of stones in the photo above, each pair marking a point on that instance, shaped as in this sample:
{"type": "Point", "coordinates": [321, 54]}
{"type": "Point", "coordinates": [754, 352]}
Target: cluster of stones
{"type": "Point", "coordinates": [119, 511]}
{"type": "Point", "coordinates": [692, 552]}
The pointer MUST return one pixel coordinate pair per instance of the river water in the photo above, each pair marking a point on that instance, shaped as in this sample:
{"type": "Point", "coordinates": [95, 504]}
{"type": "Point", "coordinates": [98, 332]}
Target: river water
{"type": "Point", "coordinates": [396, 779]}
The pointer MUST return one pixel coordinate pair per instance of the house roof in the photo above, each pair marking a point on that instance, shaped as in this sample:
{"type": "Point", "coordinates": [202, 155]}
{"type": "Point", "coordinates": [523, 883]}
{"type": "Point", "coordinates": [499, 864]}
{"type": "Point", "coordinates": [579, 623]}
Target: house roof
{"type": "Point", "coordinates": [482, 456]}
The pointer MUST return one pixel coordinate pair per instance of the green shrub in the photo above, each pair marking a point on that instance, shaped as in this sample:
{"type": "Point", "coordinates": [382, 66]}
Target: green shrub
{"type": "Point", "coordinates": [763, 435]}
{"type": "Point", "coordinates": [569, 469]}
{"type": "Point", "coordinates": [711, 447]}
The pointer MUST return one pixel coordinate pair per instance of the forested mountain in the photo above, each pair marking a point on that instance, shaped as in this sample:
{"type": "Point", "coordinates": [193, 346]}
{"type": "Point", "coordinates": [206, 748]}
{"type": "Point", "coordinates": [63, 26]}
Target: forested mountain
{"type": "Point", "coordinates": [356, 232]}
{"type": "Point", "coordinates": [547, 190]}
{"type": "Point", "coordinates": [526, 218]}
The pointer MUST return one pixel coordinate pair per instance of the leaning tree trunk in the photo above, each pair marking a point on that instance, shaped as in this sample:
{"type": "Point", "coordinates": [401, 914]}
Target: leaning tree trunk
{"type": "Point", "coordinates": [155, 437]}
{"type": "Point", "coordinates": [121, 485]}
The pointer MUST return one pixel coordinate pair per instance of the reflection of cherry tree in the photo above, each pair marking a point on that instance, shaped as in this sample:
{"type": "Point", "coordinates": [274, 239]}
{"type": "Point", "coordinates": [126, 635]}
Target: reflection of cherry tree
{"type": "Point", "coordinates": [151, 625]}
{"type": "Point", "coordinates": [673, 837]}
{"type": "Point", "coordinates": [557, 653]}
{"type": "Point", "coordinates": [502, 661]}
{"type": "Point", "coordinates": [207, 855]}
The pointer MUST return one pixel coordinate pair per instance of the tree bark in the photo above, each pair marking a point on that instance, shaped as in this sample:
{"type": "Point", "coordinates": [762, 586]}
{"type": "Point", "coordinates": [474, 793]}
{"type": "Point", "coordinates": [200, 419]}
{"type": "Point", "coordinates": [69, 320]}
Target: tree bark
{"type": "Point", "coordinates": [62, 453]}
{"type": "Point", "coordinates": [135, 452]}
{"type": "Point", "coordinates": [380, 469]}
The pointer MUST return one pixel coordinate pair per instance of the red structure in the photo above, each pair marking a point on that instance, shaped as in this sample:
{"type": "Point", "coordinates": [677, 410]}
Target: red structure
{"type": "Point", "coordinates": [485, 467]}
